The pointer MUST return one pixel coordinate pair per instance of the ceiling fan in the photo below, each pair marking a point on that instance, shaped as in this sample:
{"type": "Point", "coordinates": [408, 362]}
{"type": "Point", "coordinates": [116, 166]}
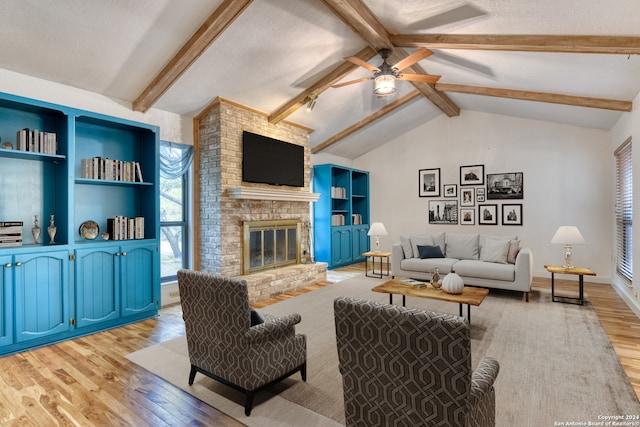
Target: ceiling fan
{"type": "Point", "coordinates": [385, 75]}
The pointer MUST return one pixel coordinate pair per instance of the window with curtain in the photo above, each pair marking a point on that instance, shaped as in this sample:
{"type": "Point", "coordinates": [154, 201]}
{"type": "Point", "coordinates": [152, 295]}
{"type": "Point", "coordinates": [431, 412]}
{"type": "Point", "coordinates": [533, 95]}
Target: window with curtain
{"type": "Point", "coordinates": [175, 166]}
{"type": "Point", "coordinates": [624, 211]}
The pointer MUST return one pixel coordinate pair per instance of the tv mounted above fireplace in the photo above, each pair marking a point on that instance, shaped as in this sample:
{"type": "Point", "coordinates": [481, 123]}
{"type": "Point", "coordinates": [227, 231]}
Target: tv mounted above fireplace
{"type": "Point", "coordinates": [270, 161]}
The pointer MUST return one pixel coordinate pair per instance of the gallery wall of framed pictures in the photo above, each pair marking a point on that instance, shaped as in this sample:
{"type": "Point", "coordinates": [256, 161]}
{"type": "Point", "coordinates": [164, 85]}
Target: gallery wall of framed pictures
{"type": "Point", "coordinates": [481, 200]}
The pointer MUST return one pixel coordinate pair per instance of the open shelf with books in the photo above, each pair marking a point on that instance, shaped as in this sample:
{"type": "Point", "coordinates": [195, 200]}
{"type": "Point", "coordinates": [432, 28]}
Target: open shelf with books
{"type": "Point", "coordinates": [84, 281]}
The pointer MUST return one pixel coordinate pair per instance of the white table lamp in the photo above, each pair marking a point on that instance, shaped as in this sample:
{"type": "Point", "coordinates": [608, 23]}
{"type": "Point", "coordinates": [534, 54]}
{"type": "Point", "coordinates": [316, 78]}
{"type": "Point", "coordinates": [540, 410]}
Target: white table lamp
{"type": "Point", "coordinates": [568, 235]}
{"type": "Point", "coordinates": [377, 229]}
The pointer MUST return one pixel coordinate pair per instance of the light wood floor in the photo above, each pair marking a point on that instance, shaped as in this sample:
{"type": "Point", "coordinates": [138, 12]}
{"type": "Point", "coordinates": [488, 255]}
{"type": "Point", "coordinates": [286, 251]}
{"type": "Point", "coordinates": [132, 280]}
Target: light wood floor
{"type": "Point", "coordinates": [89, 382]}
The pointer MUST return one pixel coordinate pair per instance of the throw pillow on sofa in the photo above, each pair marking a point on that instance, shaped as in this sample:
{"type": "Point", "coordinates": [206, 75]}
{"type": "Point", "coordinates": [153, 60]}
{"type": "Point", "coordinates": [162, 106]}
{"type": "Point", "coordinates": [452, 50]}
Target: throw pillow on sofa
{"type": "Point", "coordinates": [422, 240]}
{"type": "Point", "coordinates": [495, 251]}
{"type": "Point", "coordinates": [514, 248]}
{"type": "Point", "coordinates": [407, 249]}
{"type": "Point", "coordinates": [429, 251]}
{"type": "Point", "coordinates": [462, 246]}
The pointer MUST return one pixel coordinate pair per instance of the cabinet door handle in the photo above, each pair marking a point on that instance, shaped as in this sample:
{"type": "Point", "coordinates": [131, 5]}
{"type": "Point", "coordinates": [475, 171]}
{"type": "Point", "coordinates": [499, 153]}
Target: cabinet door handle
{"type": "Point", "coordinates": [18, 264]}
{"type": "Point", "coordinates": [7, 265]}
{"type": "Point", "coordinates": [117, 253]}
{"type": "Point", "coordinates": [124, 254]}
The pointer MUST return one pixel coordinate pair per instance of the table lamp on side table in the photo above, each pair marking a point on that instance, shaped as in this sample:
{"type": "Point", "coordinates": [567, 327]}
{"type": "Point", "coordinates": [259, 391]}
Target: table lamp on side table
{"type": "Point", "coordinates": [568, 235]}
{"type": "Point", "coordinates": [377, 229]}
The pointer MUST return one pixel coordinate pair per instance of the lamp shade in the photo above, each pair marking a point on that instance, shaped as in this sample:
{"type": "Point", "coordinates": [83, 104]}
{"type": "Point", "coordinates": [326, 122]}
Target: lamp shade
{"type": "Point", "coordinates": [568, 235]}
{"type": "Point", "coordinates": [384, 84]}
{"type": "Point", "coordinates": [377, 229]}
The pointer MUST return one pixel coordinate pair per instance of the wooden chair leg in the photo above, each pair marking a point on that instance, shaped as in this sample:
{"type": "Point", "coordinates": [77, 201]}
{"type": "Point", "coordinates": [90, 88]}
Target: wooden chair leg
{"type": "Point", "coordinates": [192, 374]}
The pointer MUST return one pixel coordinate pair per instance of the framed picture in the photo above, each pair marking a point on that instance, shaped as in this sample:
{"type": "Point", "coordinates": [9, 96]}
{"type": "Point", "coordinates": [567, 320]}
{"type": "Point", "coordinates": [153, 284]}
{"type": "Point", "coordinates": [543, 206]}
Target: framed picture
{"type": "Point", "coordinates": [512, 214]}
{"type": "Point", "coordinates": [488, 214]}
{"type": "Point", "coordinates": [443, 211]}
{"type": "Point", "coordinates": [480, 194]}
{"type": "Point", "coordinates": [467, 216]}
{"type": "Point", "coordinates": [450, 190]}
{"type": "Point", "coordinates": [468, 196]}
{"type": "Point", "coordinates": [472, 175]}
{"type": "Point", "coordinates": [429, 182]}
{"type": "Point", "coordinates": [505, 186]}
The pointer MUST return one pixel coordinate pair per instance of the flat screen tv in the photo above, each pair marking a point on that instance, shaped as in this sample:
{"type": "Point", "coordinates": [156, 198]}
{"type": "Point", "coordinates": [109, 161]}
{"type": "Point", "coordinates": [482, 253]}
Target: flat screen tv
{"type": "Point", "coordinates": [270, 161]}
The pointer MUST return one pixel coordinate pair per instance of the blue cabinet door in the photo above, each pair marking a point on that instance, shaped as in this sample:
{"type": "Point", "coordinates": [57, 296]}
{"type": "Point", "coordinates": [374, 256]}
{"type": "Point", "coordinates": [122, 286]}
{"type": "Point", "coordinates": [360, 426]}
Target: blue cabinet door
{"type": "Point", "coordinates": [360, 242]}
{"type": "Point", "coordinates": [6, 300]}
{"type": "Point", "coordinates": [41, 294]}
{"type": "Point", "coordinates": [97, 285]}
{"type": "Point", "coordinates": [140, 288]}
{"type": "Point", "coordinates": [341, 246]}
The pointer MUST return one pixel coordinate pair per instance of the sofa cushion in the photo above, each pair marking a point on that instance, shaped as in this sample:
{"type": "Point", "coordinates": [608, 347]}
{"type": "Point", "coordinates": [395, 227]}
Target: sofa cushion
{"type": "Point", "coordinates": [428, 264]}
{"type": "Point", "coordinates": [495, 251]}
{"type": "Point", "coordinates": [462, 246]}
{"type": "Point", "coordinates": [430, 251]}
{"type": "Point", "coordinates": [485, 270]}
{"type": "Point", "coordinates": [484, 237]}
{"type": "Point", "coordinates": [407, 249]}
{"type": "Point", "coordinates": [514, 248]}
{"type": "Point", "coordinates": [422, 240]}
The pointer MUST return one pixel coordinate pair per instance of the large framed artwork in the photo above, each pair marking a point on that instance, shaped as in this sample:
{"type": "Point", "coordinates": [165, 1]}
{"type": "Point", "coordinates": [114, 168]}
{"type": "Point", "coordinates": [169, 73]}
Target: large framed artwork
{"type": "Point", "coordinates": [488, 214]}
{"type": "Point", "coordinates": [505, 186]}
{"type": "Point", "coordinates": [472, 175]}
{"type": "Point", "coordinates": [512, 214]}
{"type": "Point", "coordinates": [443, 211]}
{"type": "Point", "coordinates": [429, 182]}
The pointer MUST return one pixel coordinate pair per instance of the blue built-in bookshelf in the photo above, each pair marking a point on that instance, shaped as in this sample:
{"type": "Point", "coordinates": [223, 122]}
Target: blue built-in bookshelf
{"type": "Point", "coordinates": [85, 281]}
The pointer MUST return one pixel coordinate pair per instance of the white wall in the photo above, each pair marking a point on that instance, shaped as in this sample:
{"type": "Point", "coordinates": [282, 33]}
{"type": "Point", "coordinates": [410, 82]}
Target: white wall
{"type": "Point", "coordinates": [628, 126]}
{"type": "Point", "coordinates": [567, 181]}
{"type": "Point", "coordinates": [173, 128]}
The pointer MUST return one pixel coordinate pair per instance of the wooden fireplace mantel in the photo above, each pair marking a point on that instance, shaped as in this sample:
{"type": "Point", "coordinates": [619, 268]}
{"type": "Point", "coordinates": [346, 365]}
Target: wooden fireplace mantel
{"type": "Point", "coordinates": [271, 194]}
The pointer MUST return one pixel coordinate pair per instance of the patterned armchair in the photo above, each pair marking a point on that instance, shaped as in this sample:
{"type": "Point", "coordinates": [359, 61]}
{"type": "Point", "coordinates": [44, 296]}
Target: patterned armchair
{"type": "Point", "coordinates": [410, 367]}
{"type": "Point", "coordinates": [222, 343]}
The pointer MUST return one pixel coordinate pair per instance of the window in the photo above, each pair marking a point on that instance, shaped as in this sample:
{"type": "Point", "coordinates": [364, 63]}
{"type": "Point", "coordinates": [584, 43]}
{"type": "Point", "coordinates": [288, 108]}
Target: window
{"type": "Point", "coordinates": [624, 212]}
{"type": "Point", "coordinates": [175, 165]}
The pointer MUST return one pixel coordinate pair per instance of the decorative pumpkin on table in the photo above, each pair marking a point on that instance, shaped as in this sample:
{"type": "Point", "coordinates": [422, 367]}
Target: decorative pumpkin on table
{"type": "Point", "coordinates": [452, 284]}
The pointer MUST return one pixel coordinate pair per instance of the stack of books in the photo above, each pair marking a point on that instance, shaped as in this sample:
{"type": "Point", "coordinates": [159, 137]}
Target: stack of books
{"type": "Point", "coordinates": [109, 169]}
{"type": "Point", "coordinates": [338, 193]}
{"type": "Point", "coordinates": [125, 228]}
{"type": "Point", "coordinates": [11, 233]}
{"type": "Point", "coordinates": [337, 220]}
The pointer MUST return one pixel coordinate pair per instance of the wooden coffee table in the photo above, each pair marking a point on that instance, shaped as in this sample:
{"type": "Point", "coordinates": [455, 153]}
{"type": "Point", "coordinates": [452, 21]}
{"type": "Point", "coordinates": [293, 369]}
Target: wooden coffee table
{"type": "Point", "coordinates": [470, 295]}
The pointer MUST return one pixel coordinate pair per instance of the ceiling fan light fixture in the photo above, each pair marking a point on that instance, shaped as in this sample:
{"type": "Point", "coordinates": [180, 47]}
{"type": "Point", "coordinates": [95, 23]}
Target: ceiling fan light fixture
{"type": "Point", "coordinates": [385, 84]}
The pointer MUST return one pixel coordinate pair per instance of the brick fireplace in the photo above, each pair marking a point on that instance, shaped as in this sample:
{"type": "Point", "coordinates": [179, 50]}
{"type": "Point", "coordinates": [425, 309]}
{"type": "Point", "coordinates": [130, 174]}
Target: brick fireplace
{"type": "Point", "coordinates": [226, 202]}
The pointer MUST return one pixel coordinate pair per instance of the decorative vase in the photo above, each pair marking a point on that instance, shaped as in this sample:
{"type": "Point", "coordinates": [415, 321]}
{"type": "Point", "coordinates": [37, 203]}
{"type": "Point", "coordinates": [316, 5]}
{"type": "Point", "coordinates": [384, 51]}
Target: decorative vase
{"type": "Point", "coordinates": [452, 284]}
{"type": "Point", "coordinates": [35, 231]}
{"type": "Point", "coordinates": [52, 230]}
{"type": "Point", "coordinates": [435, 279]}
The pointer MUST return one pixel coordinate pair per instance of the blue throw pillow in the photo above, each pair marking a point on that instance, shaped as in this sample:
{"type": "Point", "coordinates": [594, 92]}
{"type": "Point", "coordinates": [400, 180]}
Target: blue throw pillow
{"type": "Point", "coordinates": [430, 252]}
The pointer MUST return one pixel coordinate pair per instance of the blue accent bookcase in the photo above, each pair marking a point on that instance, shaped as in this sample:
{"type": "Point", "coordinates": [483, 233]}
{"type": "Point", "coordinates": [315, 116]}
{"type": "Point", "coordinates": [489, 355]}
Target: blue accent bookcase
{"type": "Point", "coordinates": [77, 285]}
{"type": "Point", "coordinates": [341, 214]}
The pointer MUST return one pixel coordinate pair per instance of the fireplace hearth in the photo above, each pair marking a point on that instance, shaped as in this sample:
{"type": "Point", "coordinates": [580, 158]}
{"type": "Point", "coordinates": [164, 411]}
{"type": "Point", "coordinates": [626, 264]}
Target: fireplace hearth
{"type": "Point", "coordinates": [270, 244]}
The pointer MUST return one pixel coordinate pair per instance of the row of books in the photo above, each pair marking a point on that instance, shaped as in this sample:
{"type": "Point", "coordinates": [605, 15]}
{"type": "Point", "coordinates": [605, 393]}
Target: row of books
{"type": "Point", "coordinates": [356, 219]}
{"type": "Point", "coordinates": [338, 193]}
{"type": "Point", "coordinates": [36, 141]}
{"type": "Point", "coordinates": [125, 228]}
{"type": "Point", "coordinates": [10, 233]}
{"type": "Point", "coordinates": [337, 219]}
{"type": "Point", "coordinates": [109, 169]}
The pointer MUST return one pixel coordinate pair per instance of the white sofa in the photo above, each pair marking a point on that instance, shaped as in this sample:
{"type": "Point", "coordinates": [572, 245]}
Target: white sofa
{"type": "Point", "coordinates": [481, 260]}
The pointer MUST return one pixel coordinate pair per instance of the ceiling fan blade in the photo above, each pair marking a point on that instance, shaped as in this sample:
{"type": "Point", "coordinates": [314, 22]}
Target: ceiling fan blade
{"type": "Point", "coordinates": [416, 56]}
{"type": "Point", "coordinates": [424, 78]}
{"type": "Point", "coordinates": [364, 79]}
{"type": "Point", "coordinates": [361, 63]}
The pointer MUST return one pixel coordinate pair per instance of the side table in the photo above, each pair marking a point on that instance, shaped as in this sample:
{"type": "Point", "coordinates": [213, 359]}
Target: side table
{"type": "Point", "coordinates": [578, 271]}
{"type": "Point", "coordinates": [373, 256]}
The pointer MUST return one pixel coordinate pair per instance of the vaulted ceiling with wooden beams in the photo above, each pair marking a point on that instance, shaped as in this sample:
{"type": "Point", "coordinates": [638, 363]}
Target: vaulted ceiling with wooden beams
{"type": "Point", "coordinates": [568, 61]}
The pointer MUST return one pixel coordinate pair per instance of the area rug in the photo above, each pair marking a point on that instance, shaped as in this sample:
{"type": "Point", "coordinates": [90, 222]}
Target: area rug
{"type": "Point", "coordinates": [556, 363]}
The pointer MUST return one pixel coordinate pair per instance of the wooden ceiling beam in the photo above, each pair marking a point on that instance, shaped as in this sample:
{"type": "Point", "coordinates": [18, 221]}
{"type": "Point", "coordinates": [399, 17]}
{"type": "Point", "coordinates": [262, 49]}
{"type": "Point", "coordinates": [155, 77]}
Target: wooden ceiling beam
{"type": "Point", "coordinates": [524, 43]}
{"type": "Point", "coordinates": [554, 98]}
{"type": "Point", "coordinates": [320, 86]}
{"type": "Point", "coordinates": [215, 25]}
{"type": "Point", "coordinates": [360, 19]}
{"type": "Point", "coordinates": [366, 121]}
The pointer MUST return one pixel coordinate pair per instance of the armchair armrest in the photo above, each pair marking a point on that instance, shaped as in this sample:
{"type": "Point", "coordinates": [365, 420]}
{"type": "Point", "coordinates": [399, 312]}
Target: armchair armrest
{"type": "Point", "coordinates": [482, 379]}
{"type": "Point", "coordinates": [273, 328]}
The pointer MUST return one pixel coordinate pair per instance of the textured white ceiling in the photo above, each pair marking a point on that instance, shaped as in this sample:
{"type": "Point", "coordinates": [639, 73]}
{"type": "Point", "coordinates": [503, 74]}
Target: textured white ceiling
{"type": "Point", "coordinates": [276, 48]}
